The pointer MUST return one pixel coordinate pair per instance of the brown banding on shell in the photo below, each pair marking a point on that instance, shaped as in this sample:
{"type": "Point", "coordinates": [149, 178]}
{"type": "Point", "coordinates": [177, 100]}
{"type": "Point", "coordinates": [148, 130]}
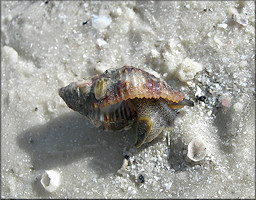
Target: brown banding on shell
{"type": "Point", "coordinates": [129, 83]}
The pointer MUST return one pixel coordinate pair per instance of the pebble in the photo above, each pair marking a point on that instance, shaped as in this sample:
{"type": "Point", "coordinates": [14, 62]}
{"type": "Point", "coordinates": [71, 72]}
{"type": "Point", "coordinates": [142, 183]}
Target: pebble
{"type": "Point", "coordinates": [141, 177]}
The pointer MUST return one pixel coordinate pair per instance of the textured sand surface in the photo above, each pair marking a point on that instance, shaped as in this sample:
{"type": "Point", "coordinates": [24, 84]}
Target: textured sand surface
{"type": "Point", "coordinates": [204, 49]}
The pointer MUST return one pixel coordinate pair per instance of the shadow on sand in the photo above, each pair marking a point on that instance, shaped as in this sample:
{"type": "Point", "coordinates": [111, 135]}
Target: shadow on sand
{"type": "Point", "coordinates": [70, 138]}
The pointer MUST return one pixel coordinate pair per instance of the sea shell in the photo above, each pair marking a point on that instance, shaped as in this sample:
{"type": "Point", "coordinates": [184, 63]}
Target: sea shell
{"type": "Point", "coordinates": [118, 97]}
{"type": "Point", "coordinates": [196, 150]}
{"type": "Point", "coordinates": [50, 180]}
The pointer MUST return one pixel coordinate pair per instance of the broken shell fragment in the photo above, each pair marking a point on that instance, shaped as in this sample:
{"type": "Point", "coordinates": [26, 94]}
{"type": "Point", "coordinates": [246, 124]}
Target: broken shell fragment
{"type": "Point", "coordinates": [125, 164]}
{"type": "Point", "coordinates": [101, 22]}
{"type": "Point", "coordinates": [196, 150]}
{"type": "Point", "coordinates": [50, 180]}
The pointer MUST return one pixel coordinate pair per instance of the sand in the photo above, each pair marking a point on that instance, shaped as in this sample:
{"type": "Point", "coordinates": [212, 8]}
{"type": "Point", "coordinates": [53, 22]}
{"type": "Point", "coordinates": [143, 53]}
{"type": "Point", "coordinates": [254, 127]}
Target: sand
{"type": "Point", "coordinates": [204, 49]}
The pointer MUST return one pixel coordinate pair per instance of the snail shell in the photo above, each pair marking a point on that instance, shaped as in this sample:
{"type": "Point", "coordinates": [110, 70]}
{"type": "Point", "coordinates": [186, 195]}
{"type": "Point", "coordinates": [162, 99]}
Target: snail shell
{"type": "Point", "coordinates": [118, 97]}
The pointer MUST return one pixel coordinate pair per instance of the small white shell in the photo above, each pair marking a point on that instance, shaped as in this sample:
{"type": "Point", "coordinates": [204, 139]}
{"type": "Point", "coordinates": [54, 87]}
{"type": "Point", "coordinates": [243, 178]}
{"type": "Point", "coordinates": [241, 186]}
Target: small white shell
{"type": "Point", "coordinates": [196, 150]}
{"type": "Point", "coordinates": [50, 180]}
{"type": "Point", "coordinates": [101, 22]}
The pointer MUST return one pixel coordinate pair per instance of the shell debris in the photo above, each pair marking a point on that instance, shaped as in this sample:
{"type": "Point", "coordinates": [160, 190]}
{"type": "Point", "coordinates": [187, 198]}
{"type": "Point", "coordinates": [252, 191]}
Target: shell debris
{"type": "Point", "coordinates": [196, 150]}
{"type": "Point", "coordinates": [101, 22]}
{"type": "Point", "coordinates": [50, 180]}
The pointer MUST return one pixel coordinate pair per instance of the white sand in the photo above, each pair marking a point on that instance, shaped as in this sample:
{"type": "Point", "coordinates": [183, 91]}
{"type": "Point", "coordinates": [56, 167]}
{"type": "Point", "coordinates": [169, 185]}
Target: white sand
{"type": "Point", "coordinates": [201, 48]}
